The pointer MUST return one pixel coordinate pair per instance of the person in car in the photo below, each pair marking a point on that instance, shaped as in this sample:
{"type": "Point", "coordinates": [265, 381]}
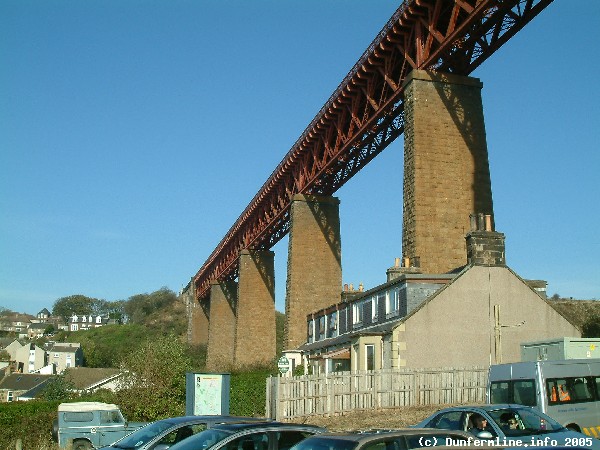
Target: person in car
{"type": "Point", "coordinates": [509, 421]}
{"type": "Point", "coordinates": [479, 424]}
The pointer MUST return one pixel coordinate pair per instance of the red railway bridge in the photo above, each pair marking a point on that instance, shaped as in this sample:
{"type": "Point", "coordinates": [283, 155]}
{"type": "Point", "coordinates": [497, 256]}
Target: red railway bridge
{"type": "Point", "coordinates": [365, 114]}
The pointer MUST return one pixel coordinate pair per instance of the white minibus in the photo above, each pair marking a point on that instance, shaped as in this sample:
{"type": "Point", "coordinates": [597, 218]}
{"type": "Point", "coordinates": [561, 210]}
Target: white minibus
{"type": "Point", "coordinates": [566, 390]}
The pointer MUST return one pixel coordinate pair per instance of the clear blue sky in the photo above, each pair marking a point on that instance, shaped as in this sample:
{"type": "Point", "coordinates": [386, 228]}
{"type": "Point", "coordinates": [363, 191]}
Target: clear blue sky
{"type": "Point", "coordinates": [134, 132]}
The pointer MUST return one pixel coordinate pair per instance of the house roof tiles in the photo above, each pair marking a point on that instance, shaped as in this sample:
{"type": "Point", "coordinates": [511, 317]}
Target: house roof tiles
{"type": "Point", "coordinates": [88, 377]}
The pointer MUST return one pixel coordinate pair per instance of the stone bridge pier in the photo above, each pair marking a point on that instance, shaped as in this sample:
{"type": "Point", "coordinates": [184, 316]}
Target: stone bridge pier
{"type": "Point", "coordinates": [446, 169]}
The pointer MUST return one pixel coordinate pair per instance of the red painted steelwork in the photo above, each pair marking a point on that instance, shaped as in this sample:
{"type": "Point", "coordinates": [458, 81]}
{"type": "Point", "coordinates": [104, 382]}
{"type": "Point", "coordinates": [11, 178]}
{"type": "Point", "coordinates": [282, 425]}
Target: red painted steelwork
{"type": "Point", "coordinates": [366, 113]}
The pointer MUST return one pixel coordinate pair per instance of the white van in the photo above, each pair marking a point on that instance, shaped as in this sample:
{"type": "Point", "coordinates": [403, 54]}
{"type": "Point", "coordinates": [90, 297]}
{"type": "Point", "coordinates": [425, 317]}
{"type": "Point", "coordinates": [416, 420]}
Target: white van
{"type": "Point", "coordinates": [566, 390]}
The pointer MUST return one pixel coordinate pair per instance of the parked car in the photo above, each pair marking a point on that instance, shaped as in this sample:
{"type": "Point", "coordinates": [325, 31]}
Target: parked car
{"type": "Point", "coordinates": [88, 425]}
{"type": "Point", "coordinates": [401, 439]}
{"type": "Point", "coordinates": [510, 425]}
{"type": "Point", "coordinates": [248, 436]}
{"type": "Point", "coordinates": [167, 432]}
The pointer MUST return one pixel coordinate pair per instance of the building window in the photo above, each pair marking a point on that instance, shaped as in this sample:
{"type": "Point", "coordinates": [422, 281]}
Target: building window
{"type": "Point", "coordinates": [9, 397]}
{"type": "Point", "coordinates": [332, 324]}
{"type": "Point", "coordinates": [74, 327]}
{"type": "Point", "coordinates": [369, 357]}
{"type": "Point", "coordinates": [392, 304]}
{"type": "Point", "coordinates": [310, 330]}
{"type": "Point", "coordinates": [358, 312]}
{"type": "Point", "coordinates": [374, 308]}
{"type": "Point", "coordinates": [321, 328]}
{"type": "Point", "coordinates": [98, 319]}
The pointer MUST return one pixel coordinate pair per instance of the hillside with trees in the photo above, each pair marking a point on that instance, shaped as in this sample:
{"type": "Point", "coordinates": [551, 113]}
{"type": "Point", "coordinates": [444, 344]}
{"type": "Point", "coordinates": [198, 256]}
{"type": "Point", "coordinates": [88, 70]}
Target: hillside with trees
{"type": "Point", "coordinates": [142, 318]}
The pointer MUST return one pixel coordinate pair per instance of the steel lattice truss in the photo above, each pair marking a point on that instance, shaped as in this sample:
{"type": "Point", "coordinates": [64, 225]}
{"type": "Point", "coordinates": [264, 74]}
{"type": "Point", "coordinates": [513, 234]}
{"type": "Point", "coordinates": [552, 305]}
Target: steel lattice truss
{"type": "Point", "coordinates": [366, 112]}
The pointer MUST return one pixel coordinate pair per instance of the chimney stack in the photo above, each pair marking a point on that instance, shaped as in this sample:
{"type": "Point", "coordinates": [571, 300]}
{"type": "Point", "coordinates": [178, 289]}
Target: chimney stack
{"type": "Point", "coordinates": [408, 266]}
{"type": "Point", "coordinates": [485, 247]}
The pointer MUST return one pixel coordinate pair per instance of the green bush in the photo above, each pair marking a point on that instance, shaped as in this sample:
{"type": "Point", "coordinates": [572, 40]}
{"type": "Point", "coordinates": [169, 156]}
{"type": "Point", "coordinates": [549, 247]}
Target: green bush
{"type": "Point", "coordinates": [29, 421]}
{"type": "Point", "coordinates": [154, 379]}
{"type": "Point", "coordinates": [162, 394]}
{"type": "Point", "coordinates": [248, 392]}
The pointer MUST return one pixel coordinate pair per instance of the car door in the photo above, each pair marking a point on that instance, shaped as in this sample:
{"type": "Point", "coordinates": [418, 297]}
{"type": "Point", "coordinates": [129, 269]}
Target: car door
{"type": "Point", "coordinates": [258, 440]}
{"type": "Point", "coordinates": [385, 443]}
{"type": "Point", "coordinates": [174, 436]}
{"type": "Point", "coordinates": [449, 420]}
{"type": "Point", "coordinates": [285, 439]}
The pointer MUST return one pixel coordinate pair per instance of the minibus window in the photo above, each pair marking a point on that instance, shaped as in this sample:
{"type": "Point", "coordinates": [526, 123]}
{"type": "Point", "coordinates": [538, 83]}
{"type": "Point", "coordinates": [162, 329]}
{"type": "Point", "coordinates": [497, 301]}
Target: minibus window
{"type": "Point", "coordinates": [524, 392]}
{"type": "Point", "coordinates": [513, 391]}
{"type": "Point", "coordinates": [571, 390]}
{"type": "Point", "coordinates": [499, 392]}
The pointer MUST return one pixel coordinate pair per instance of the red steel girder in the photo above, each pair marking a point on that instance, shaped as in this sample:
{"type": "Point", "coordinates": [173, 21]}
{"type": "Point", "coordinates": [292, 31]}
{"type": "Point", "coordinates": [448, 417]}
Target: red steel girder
{"type": "Point", "coordinates": [366, 112]}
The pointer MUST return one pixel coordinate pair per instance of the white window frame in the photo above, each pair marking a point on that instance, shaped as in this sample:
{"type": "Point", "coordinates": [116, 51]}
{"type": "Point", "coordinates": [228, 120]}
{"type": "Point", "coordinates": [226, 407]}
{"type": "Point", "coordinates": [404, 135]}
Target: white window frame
{"type": "Point", "coordinates": [392, 302]}
{"type": "Point", "coordinates": [374, 307]}
{"type": "Point", "coordinates": [367, 356]}
{"type": "Point", "coordinates": [358, 312]}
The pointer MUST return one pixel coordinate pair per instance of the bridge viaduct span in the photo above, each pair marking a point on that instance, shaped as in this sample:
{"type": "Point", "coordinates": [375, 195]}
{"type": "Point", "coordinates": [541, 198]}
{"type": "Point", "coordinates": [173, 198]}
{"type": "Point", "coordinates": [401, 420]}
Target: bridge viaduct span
{"type": "Point", "coordinates": [412, 79]}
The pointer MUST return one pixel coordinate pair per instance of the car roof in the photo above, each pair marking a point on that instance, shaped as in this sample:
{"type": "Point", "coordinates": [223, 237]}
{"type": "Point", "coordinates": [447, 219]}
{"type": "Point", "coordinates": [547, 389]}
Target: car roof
{"type": "Point", "coordinates": [86, 407]}
{"type": "Point", "coordinates": [489, 407]}
{"type": "Point", "coordinates": [374, 434]}
{"type": "Point", "coordinates": [213, 419]}
{"type": "Point", "coordinates": [234, 427]}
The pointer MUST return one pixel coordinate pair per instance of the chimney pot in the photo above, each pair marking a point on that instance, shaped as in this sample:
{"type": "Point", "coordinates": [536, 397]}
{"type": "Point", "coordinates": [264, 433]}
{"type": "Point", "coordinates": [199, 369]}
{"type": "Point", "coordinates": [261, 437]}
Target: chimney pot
{"type": "Point", "coordinates": [488, 222]}
{"type": "Point", "coordinates": [480, 222]}
{"type": "Point", "coordinates": [473, 222]}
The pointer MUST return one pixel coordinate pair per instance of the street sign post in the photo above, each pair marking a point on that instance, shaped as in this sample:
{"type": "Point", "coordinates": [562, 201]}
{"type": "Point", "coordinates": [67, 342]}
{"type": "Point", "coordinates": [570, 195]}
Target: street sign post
{"type": "Point", "coordinates": [283, 364]}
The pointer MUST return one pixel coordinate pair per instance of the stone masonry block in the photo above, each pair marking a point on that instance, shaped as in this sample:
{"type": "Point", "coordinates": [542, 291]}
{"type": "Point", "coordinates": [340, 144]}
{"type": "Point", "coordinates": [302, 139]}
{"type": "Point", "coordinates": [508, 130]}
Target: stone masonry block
{"type": "Point", "coordinates": [255, 329]}
{"type": "Point", "coordinates": [446, 173]}
{"type": "Point", "coordinates": [221, 329]}
{"type": "Point", "coordinates": [314, 268]}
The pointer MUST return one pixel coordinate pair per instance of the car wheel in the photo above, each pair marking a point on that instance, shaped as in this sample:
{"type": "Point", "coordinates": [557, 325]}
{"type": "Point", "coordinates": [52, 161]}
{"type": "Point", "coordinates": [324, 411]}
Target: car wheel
{"type": "Point", "coordinates": [55, 430]}
{"type": "Point", "coordinates": [82, 445]}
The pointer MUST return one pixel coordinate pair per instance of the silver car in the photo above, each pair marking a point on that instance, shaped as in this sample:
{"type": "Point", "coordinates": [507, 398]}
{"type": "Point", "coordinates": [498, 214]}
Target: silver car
{"type": "Point", "coordinates": [400, 439]}
{"type": "Point", "coordinates": [162, 434]}
{"type": "Point", "coordinates": [509, 425]}
{"type": "Point", "coordinates": [249, 436]}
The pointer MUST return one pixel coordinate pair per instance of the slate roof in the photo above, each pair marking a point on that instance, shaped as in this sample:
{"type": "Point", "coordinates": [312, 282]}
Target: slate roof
{"type": "Point", "coordinates": [64, 347]}
{"type": "Point", "coordinates": [23, 381]}
{"type": "Point", "coordinates": [87, 377]}
{"type": "Point", "coordinates": [345, 338]}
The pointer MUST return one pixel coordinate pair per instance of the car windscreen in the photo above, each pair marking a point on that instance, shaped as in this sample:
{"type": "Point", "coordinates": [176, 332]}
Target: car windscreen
{"type": "Point", "coordinates": [317, 443]}
{"type": "Point", "coordinates": [142, 435]}
{"type": "Point", "coordinates": [202, 440]}
{"type": "Point", "coordinates": [524, 422]}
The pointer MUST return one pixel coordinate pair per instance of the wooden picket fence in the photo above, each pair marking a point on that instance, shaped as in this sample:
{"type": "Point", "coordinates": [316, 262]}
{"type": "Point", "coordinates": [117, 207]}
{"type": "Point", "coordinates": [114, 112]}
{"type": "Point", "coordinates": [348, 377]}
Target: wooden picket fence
{"type": "Point", "coordinates": [340, 392]}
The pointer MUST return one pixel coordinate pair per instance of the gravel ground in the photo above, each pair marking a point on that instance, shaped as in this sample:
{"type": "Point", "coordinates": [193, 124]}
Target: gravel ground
{"type": "Point", "coordinates": [362, 420]}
